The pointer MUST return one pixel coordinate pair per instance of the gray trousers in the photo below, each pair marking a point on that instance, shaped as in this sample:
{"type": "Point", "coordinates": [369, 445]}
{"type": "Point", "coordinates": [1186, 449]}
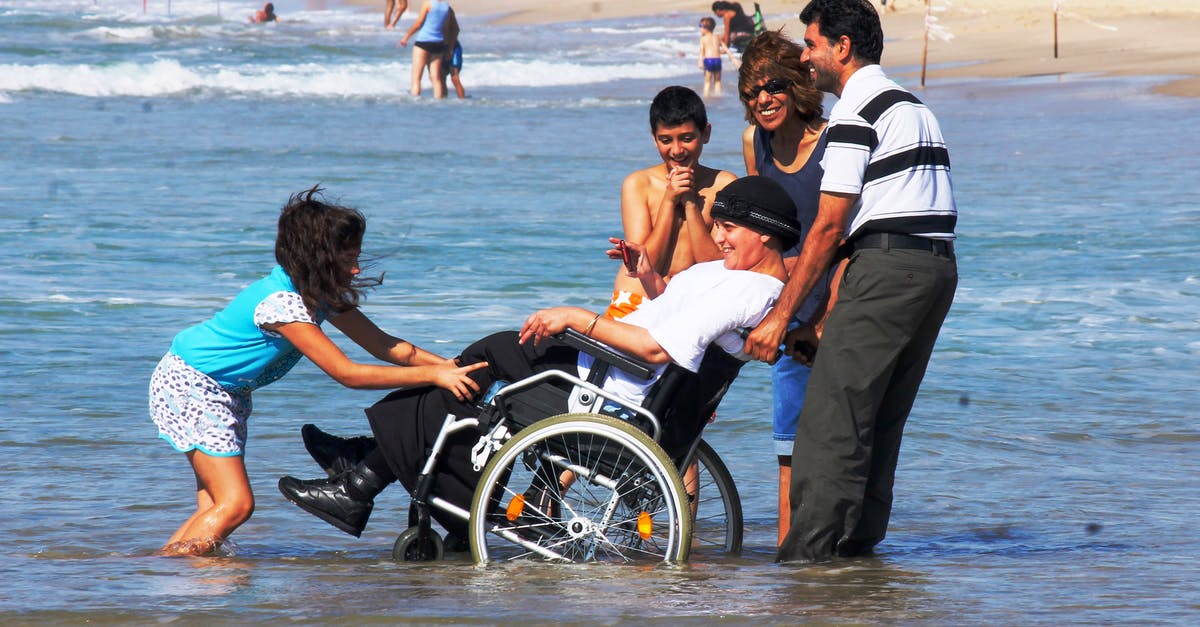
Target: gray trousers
{"type": "Point", "coordinates": [874, 350]}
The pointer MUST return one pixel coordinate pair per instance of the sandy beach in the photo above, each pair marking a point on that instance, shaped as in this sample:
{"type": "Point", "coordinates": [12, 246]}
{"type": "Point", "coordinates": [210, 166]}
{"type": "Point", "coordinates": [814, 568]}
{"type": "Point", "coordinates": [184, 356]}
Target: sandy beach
{"type": "Point", "coordinates": [988, 38]}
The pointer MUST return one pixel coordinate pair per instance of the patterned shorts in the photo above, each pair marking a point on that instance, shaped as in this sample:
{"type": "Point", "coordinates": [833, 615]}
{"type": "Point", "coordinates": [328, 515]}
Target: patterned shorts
{"type": "Point", "coordinates": [193, 412]}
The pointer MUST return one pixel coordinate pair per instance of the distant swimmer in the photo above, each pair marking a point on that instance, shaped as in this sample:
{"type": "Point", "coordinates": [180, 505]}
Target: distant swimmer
{"type": "Point", "coordinates": [264, 15]}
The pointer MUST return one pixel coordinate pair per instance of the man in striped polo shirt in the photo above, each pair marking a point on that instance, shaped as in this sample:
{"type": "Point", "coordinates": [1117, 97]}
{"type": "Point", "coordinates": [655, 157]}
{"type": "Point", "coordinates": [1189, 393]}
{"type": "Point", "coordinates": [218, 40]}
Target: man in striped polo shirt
{"type": "Point", "coordinates": [887, 202]}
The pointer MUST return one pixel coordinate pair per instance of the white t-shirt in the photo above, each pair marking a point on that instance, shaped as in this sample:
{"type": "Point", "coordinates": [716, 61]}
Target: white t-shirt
{"type": "Point", "coordinates": [704, 304]}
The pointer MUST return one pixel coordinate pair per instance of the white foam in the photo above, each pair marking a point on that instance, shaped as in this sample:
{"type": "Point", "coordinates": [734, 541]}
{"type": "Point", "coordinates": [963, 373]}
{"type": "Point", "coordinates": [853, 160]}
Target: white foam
{"type": "Point", "coordinates": [170, 77]}
{"type": "Point", "coordinates": [181, 54]}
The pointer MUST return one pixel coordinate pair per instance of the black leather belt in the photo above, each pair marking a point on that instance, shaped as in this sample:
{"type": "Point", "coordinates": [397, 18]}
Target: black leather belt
{"type": "Point", "coordinates": [942, 247]}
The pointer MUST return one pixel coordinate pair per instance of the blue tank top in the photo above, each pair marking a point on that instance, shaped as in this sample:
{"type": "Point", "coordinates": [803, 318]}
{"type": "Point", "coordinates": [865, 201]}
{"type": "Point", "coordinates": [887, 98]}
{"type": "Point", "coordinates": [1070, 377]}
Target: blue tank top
{"type": "Point", "coordinates": [233, 350]}
{"type": "Point", "coordinates": [804, 188]}
{"type": "Point", "coordinates": [431, 28]}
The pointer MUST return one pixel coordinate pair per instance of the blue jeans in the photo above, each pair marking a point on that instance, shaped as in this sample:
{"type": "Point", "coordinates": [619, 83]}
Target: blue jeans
{"type": "Point", "coordinates": [789, 378]}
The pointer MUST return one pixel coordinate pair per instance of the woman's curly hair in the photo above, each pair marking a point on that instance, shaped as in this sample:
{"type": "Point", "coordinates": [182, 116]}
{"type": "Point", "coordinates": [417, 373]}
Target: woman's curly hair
{"type": "Point", "coordinates": [317, 246]}
{"type": "Point", "coordinates": [772, 55]}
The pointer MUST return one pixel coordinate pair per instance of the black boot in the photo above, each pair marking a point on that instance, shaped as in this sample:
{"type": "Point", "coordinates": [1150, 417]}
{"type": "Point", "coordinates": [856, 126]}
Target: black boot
{"type": "Point", "coordinates": [344, 501]}
{"type": "Point", "coordinates": [334, 454]}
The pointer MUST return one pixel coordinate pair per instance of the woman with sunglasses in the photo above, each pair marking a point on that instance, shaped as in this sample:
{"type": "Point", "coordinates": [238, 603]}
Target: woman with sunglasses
{"type": "Point", "coordinates": [785, 142]}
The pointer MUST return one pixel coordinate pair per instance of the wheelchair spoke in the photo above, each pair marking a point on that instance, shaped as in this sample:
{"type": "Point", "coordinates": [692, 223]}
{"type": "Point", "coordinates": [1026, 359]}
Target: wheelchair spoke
{"type": "Point", "coordinates": [596, 489]}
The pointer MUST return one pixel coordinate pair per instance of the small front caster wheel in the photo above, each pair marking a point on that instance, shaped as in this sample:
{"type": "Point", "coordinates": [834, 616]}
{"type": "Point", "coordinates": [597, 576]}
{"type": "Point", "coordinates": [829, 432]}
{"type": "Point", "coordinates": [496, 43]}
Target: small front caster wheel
{"type": "Point", "coordinates": [411, 547]}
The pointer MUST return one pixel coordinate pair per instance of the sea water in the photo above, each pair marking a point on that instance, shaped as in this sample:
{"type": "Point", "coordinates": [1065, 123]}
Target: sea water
{"type": "Point", "coordinates": [1049, 469]}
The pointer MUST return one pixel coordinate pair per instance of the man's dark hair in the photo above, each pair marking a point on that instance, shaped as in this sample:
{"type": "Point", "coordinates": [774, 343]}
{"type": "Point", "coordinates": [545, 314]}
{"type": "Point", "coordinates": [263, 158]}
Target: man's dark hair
{"type": "Point", "coordinates": [855, 19]}
{"type": "Point", "coordinates": [677, 105]}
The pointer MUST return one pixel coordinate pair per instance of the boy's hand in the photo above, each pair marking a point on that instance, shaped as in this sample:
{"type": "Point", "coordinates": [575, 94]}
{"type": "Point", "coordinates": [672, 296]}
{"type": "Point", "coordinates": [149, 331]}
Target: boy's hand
{"type": "Point", "coordinates": [681, 186]}
{"type": "Point", "coordinates": [680, 181]}
{"type": "Point", "coordinates": [452, 377]}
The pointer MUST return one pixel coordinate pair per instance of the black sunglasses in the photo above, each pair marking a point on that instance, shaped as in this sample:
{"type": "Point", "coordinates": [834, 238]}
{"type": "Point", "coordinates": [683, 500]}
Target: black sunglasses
{"type": "Point", "coordinates": [774, 86]}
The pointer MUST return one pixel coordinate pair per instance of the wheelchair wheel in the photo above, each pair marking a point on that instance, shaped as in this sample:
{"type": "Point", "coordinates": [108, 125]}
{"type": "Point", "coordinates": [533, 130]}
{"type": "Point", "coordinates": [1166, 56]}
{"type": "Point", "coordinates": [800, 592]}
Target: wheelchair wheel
{"type": "Point", "coordinates": [410, 547]}
{"type": "Point", "coordinates": [577, 488]}
{"type": "Point", "coordinates": [717, 507]}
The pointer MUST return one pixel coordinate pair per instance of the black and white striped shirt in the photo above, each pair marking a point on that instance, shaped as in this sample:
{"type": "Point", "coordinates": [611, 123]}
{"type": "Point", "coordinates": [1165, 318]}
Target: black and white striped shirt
{"type": "Point", "coordinates": [885, 146]}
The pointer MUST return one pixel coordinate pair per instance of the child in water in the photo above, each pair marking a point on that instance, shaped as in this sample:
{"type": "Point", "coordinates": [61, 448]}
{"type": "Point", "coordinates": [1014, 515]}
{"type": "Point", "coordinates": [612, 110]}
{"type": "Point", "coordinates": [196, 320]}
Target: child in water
{"type": "Point", "coordinates": [200, 391]}
{"type": "Point", "coordinates": [711, 48]}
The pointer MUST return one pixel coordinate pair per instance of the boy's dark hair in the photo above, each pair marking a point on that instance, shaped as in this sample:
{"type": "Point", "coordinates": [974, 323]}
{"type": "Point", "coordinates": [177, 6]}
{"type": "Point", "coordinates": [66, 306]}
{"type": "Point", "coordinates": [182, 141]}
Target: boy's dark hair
{"type": "Point", "coordinates": [708, 23]}
{"type": "Point", "coordinates": [720, 5]}
{"type": "Point", "coordinates": [856, 19]}
{"type": "Point", "coordinates": [677, 105]}
{"type": "Point", "coordinates": [315, 245]}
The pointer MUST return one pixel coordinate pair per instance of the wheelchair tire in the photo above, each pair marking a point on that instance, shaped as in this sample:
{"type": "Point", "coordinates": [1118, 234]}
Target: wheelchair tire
{"type": "Point", "coordinates": [717, 524]}
{"type": "Point", "coordinates": [622, 501]}
{"type": "Point", "coordinates": [410, 547]}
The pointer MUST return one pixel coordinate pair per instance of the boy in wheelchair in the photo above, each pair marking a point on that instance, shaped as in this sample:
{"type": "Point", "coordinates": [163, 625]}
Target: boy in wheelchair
{"type": "Point", "coordinates": [707, 304]}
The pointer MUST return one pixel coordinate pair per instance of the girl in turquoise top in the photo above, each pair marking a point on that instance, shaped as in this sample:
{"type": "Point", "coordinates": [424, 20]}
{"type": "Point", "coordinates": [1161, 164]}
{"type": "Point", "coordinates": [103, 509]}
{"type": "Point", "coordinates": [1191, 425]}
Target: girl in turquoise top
{"type": "Point", "coordinates": [200, 391]}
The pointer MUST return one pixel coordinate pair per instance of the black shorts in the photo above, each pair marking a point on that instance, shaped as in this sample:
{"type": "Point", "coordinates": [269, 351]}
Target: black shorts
{"type": "Point", "coordinates": [432, 47]}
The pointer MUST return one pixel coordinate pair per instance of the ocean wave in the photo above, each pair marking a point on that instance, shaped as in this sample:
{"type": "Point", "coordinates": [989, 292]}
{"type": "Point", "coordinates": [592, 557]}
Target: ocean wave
{"type": "Point", "coordinates": [172, 78]}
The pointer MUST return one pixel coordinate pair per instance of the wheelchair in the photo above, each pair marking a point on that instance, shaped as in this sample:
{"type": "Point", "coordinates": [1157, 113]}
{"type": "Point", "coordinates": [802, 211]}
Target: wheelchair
{"type": "Point", "coordinates": [603, 482]}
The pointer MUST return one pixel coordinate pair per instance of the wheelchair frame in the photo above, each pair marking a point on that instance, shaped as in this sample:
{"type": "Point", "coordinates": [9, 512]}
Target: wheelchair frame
{"type": "Point", "coordinates": [577, 486]}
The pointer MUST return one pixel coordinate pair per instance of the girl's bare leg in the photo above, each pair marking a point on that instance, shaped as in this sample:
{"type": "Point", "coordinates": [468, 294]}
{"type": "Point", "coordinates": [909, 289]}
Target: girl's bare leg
{"type": "Point", "coordinates": [222, 485]}
{"type": "Point", "coordinates": [458, 86]}
{"type": "Point", "coordinates": [203, 503]}
{"type": "Point", "coordinates": [419, 59]}
{"type": "Point", "coordinates": [435, 73]}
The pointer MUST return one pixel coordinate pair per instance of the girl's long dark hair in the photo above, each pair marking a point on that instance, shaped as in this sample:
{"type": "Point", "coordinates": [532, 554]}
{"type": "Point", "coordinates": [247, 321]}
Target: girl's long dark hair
{"type": "Point", "coordinates": [316, 245]}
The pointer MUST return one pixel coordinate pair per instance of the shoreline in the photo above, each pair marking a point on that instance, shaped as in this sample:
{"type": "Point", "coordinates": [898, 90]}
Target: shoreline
{"type": "Point", "coordinates": [990, 38]}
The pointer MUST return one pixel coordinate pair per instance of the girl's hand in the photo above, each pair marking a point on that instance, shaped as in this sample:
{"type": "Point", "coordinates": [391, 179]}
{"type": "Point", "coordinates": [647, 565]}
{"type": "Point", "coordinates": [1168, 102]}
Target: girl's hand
{"type": "Point", "coordinates": [452, 377]}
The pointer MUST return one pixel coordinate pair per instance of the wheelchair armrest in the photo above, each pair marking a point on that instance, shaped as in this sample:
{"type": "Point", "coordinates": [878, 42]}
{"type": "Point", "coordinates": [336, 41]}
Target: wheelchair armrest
{"type": "Point", "coordinates": [603, 353]}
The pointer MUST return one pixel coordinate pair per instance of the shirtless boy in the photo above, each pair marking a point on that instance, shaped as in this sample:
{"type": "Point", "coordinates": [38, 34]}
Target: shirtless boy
{"type": "Point", "coordinates": [666, 207]}
{"type": "Point", "coordinates": [711, 48]}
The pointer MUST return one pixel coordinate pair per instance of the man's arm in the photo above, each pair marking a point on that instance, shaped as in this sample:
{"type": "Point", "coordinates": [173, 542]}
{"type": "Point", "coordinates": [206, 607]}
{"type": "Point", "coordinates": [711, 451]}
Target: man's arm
{"type": "Point", "coordinates": [819, 248]}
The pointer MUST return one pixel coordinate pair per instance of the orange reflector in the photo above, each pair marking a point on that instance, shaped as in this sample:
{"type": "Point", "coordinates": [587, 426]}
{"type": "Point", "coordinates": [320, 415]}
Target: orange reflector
{"type": "Point", "coordinates": [645, 525]}
{"type": "Point", "coordinates": [515, 507]}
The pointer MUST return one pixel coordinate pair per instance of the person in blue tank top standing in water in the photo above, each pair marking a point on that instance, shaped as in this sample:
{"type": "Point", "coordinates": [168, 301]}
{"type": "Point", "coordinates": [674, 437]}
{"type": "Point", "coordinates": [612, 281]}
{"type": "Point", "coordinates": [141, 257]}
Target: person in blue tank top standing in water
{"type": "Point", "coordinates": [200, 391]}
{"type": "Point", "coordinates": [785, 142]}
{"type": "Point", "coordinates": [429, 44]}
